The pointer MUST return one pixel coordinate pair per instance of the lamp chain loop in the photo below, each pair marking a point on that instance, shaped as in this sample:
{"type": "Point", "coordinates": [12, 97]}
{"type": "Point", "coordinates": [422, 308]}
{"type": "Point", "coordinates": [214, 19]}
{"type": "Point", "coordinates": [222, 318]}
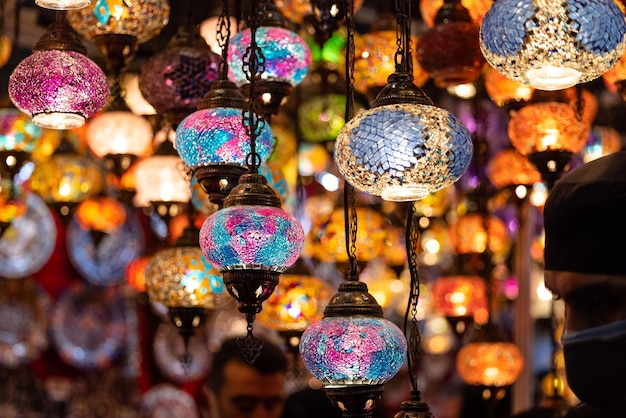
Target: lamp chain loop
{"type": "Point", "coordinates": [223, 38]}
{"type": "Point", "coordinates": [350, 215]}
{"type": "Point", "coordinates": [412, 334]}
{"type": "Point", "coordinates": [402, 57]}
{"type": "Point", "coordinates": [253, 65]}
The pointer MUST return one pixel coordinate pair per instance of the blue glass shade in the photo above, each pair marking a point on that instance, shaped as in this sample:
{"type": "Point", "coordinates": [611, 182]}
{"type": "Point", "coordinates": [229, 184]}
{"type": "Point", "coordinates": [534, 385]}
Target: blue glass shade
{"type": "Point", "coordinates": [104, 261]}
{"type": "Point", "coordinates": [553, 45]}
{"type": "Point", "coordinates": [218, 136]}
{"type": "Point", "coordinates": [287, 56]}
{"type": "Point", "coordinates": [251, 237]}
{"type": "Point", "coordinates": [403, 152]}
{"type": "Point", "coordinates": [359, 350]}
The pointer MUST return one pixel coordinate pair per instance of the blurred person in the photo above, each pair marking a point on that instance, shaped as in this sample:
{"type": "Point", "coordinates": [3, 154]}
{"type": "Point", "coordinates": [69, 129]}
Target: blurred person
{"type": "Point", "coordinates": [235, 388]}
{"type": "Point", "coordinates": [585, 265]}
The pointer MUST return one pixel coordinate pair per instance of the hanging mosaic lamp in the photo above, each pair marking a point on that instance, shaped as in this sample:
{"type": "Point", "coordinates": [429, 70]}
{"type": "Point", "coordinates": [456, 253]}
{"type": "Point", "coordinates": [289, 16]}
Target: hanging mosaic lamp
{"type": "Point", "coordinates": [181, 279]}
{"type": "Point", "coordinates": [475, 233]}
{"type": "Point", "coordinates": [553, 45]}
{"type": "Point", "coordinates": [461, 299]}
{"type": "Point", "coordinates": [477, 10]}
{"type": "Point", "coordinates": [214, 144]}
{"type": "Point", "coordinates": [509, 168]}
{"type": "Point", "coordinates": [251, 241]}
{"type": "Point", "coordinates": [143, 19]}
{"type": "Point", "coordinates": [489, 359]}
{"type": "Point", "coordinates": [71, 87]}
{"type": "Point", "coordinates": [450, 52]}
{"type": "Point", "coordinates": [505, 92]}
{"type": "Point", "coordinates": [287, 60]}
{"type": "Point", "coordinates": [66, 178]}
{"type": "Point", "coordinates": [353, 350]}
{"type": "Point", "coordinates": [404, 147]}
{"type": "Point", "coordinates": [160, 182]}
{"type": "Point", "coordinates": [174, 80]}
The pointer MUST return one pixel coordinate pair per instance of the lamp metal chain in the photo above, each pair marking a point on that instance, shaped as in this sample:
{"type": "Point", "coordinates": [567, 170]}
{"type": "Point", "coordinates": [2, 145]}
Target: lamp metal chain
{"type": "Point", "coordinates": [253, 64]}
{"type": "Point", "coordinates": [350, 214]}
{"type": "Point", "coordinates": [223, 38]}
{"type": "Point", "coordinates": [411, 331]}
{"type": "Point", "coordinates": [402, 58]}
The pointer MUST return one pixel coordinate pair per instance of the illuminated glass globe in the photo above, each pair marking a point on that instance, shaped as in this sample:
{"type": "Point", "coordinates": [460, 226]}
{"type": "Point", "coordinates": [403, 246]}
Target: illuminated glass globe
{"type": "Point", "coordinates": [182, 277]}
{"type": "Point", "coordinates": [403, 151]}
{"type": "Point", "coordinates": [476, 8]}
{"type": "Point", "coordinates": [175, 79]}
{"type": "Point", "coordinates": [503, 91]}
{"type": "Point", "coordinates": [102, 214]}
{"type": "Point", "coordinates": [547, 126]}
{"type": "Point", "coordinates": [474, 233]}
{"type": "Point", "coordinates": [510, 168]}
{"type": "Point", "coordinates": [297, 301]}
{"type": "Point", "coordinates": [70, 86]}
{"type": "Point", "coordinates": [251, 237]}
{"type": "Point", "coordinates": [287, 56]}
{"type": "Point", "coordinates": [63, 4]}
{"type": "Point", "coordinates": [5, 50]}
{"type": "Point", "coordinates": [489, 359]}
{"type": "Point", "coordinates": [18, 132]}
{"type": "Point", "coordinates": [218, 136]}
{"type": "Point", "coordinates": [449, 51]}
{"type": "Point", "coordinates": [553, 45]}
{"type": "Point", "coordinates": [374, 60]}
{"type": "Point", "coordinates": [297, 10]}
{"type": "Point", "coordinates": [353, 345]}
{"type": "Point", "coordinates": [143, 18]}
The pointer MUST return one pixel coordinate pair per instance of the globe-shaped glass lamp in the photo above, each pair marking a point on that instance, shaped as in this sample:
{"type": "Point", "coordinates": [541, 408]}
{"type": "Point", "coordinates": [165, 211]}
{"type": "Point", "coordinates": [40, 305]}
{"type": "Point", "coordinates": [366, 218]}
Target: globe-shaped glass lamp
{"type": "Point", "coordinates": [489, 359]}
{"type": "Point", "coordinates": [136, 273]}
{"type": "Point", "coordinates": [449, 51]}
{"type": "Point", "coordinates": [287, 56]}
{"type": "Point", "coordinates": [119, 137]}
{"type": "Point", "coordinates": [174, 80]}
{"type": "Point", "coordinates": [71, 87]}
{"type": "Point", "coordinates": [326, 240]}
{"type": "Point", "coordinates": [510, 168]}
{"type": "Point", "coordinates": [160, 179]}
{"type": "Point", "coordinates": [102, 214]}
{"type": "Point", "coordinates": [63, 4]}
{"type": "Point", "coordinates": [18, 132]}
{"type": "Point", "coordinates": [374, 60]}
{"type": "Point", "coordinates": [547, 126]}
{"type": "Point", "coordinates": [403, 151]}
{"type": "Point", "coordinates": [182, 277]}
{"type": "Point", "coordinates": [143, 18]}
{"type": "Point", "coordinates": [287, 60]}
{"type": "Point", "coordinates": [553, 45]}
{"type": "Point", "coordinates": [474, 233]}
{"type": "Point", "coordinates": [64, 180]}
{"type": "Point", "coordinates": [477, 10]}
{"type": "Point", "coordinates": [353, 349]}
{"type": "Point", "coordinates": [218, 136]}
{"type": "Point", "coordinates": [503, 91]}
{"type": "Point", "coordinates": [460, 298]}
{"type": "Point", "coordinates": [297, 10]}
{"type": "Point", "coordinates": [297, 302]}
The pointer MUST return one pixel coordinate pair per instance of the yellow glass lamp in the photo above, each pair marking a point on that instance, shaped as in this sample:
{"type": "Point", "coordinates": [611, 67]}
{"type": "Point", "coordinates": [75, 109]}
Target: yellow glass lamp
{"type": "Point", "coordinates": [459, 296]}
{"type": "Point", "coordinates": [510, 168]}
{"type": "Point", "coordinates": [474, 233]}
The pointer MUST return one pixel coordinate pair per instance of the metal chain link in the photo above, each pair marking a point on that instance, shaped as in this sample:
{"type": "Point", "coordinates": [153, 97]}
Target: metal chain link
{"type": "Point", "coordinates": [253, 65]}
{"type": "Point", "coordinates": [412, 333]}
{"type": "Point", "coordinates": [223, 38]}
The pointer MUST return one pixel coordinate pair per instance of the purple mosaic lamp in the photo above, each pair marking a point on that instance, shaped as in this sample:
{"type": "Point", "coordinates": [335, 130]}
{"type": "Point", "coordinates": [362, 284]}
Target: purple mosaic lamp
{"type": "Point", "coordinates": [70, 86]}
{"type": "Point", "coordinates": [213, 141]}
{"type": "Point", "coordinates": [287, 60]}
{"type": "Point", "coordinates": [175, 80]}
{"type": "Point", "coordinates": [251, 241]}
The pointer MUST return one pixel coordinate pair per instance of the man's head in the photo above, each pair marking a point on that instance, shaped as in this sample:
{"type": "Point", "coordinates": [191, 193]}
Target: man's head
{"type": "Point", "coordinates": [237, 389]}
{"type": "Point", "coordinates": [585, 264]}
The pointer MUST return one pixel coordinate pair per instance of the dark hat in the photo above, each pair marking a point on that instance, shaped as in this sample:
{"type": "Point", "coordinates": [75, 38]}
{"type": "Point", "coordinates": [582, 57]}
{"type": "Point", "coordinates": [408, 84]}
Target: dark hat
{"type": "Point", "coordinates": [585, 218]}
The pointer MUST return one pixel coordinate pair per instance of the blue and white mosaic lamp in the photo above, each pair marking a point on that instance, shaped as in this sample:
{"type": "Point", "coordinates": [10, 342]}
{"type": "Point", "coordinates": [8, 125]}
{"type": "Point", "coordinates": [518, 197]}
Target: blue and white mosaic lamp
{"type": "Point", "coordinates": [552, 45]}
{"type": "Point", "coordinates": [403, 151]}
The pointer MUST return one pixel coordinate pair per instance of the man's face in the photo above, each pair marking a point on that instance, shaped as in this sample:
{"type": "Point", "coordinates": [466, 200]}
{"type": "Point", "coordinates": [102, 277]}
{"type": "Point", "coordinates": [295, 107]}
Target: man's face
{"type": "Point", "coordinates": [590, 300]}
{"type": "Point", "coordinates": [248, 393]}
